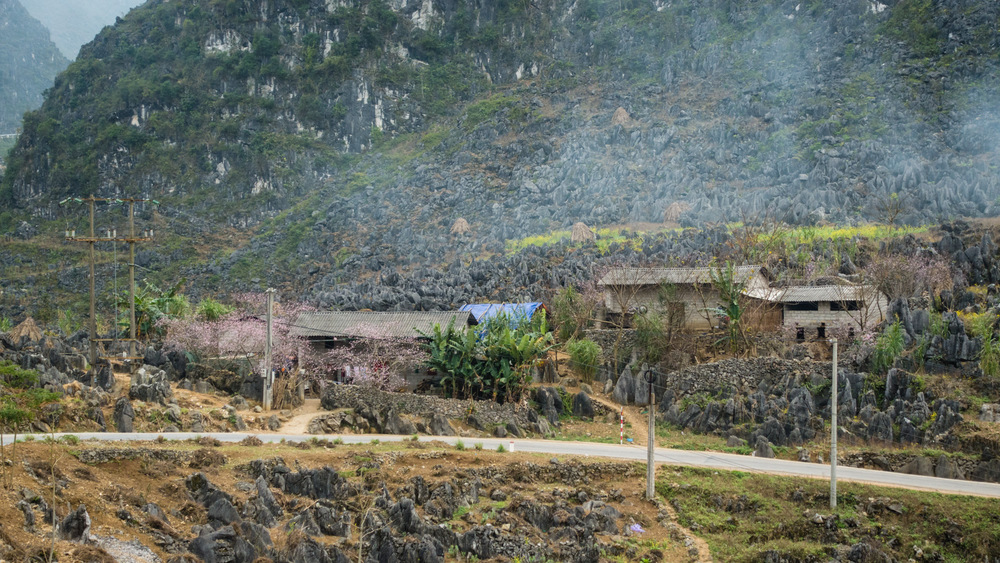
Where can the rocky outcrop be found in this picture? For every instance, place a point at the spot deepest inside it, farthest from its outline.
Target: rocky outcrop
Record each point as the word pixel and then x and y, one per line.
pixel 124 415
pixel 787 402
pixel 364 409
pixel 151 385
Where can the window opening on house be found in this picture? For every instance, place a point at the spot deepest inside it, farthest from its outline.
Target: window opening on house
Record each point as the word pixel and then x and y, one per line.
pixel 821 331
pixel 845 305
pixel 803 306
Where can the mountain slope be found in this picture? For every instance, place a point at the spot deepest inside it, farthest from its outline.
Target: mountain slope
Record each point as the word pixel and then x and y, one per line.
pixel 352 136
pixel 29 63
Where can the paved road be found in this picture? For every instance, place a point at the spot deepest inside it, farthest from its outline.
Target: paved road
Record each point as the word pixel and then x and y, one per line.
pixel 723 461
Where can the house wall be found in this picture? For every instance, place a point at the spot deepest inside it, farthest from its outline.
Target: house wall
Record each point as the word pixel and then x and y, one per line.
pixel 813 319
pixel 412 377
pixel 695 301
pixel 695 298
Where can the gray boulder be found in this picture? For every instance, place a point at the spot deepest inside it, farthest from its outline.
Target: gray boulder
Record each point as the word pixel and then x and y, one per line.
pixel 222 545
pixel 124 415
pixel 624 392
pixel 880 427
pixel 919 465
pixel 583 406
pixel 76 526
pixel 763 448
pixel 946 468
pixel 549 403
pixel 439 426
pixel 273 423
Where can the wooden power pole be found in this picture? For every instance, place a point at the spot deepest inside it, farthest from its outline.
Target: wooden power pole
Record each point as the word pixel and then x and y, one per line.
pixel 91 239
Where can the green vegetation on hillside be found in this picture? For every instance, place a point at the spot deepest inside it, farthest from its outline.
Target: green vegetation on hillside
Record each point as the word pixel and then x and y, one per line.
pixel 743 515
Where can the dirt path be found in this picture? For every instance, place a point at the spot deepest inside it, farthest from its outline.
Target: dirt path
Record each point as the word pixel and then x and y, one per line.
pixel 633 415
pixel 691 541
pixel 301 417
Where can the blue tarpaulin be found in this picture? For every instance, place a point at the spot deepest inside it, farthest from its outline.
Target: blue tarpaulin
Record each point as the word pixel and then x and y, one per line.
pixel 516 312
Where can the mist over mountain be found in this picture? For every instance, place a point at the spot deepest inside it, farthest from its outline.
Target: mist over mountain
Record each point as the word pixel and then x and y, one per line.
pixel 29 62
pixel 347 138
pixel 75 22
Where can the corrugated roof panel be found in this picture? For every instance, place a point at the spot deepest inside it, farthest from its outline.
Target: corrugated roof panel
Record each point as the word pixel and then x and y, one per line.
pixel 368 324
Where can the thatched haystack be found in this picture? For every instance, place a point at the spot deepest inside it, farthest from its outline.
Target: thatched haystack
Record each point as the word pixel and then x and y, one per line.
pixel 621 117
pixel 581 233
pixel 460 227
pixel 27 328
pixel 674 211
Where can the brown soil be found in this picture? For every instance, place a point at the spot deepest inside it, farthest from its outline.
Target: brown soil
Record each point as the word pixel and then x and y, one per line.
pixel 115 492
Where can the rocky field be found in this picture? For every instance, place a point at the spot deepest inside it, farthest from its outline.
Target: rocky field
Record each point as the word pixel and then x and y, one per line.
pixel 425 501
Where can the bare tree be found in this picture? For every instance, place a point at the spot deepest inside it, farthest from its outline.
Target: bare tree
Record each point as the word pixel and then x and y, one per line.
pixel 757 239
pixel 863 303
pixel 889 207
pixel 623 285
pixel 897 275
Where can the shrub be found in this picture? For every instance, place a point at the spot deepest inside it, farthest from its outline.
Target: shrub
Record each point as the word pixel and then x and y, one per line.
pixel 888 347
pixel 478 446
pixel 584 355
pixel 501 449
pixel 989 356
pixel 460 445
pixel 251 441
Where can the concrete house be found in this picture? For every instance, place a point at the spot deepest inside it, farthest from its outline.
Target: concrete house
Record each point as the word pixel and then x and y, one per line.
pixel 628 291
pixel 326 330
pixel 811 308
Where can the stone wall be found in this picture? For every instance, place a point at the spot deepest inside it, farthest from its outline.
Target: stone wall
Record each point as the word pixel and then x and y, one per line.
pixel 359 398
pixel 606 340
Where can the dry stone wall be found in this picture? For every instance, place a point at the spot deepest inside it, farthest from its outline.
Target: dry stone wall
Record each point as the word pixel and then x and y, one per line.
pixel 369 399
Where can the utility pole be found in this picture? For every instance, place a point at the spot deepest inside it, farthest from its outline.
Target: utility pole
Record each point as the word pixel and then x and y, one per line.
pixel 268 382
pixel 93 299
pixel 131 277
pixel 833 431
pixel 651 439
pixel 91 239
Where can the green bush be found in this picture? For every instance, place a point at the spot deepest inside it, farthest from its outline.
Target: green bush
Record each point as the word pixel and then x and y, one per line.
pixel 989 356
pixel 584 356
pixel 888 347
pixel 11 375
pixel 493 362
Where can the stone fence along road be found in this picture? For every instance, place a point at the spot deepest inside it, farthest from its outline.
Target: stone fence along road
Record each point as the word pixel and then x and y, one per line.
pixel 721 461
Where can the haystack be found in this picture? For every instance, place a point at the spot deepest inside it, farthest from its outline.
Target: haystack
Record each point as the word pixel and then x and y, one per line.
pixel 27 328
pixel 460 227
pixel 581 233
pixel 621 117
pixel 674 211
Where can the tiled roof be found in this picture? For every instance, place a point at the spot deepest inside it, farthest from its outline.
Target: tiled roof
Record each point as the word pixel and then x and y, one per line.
pixel 367 324
pixel 656 276
pixel 815 294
